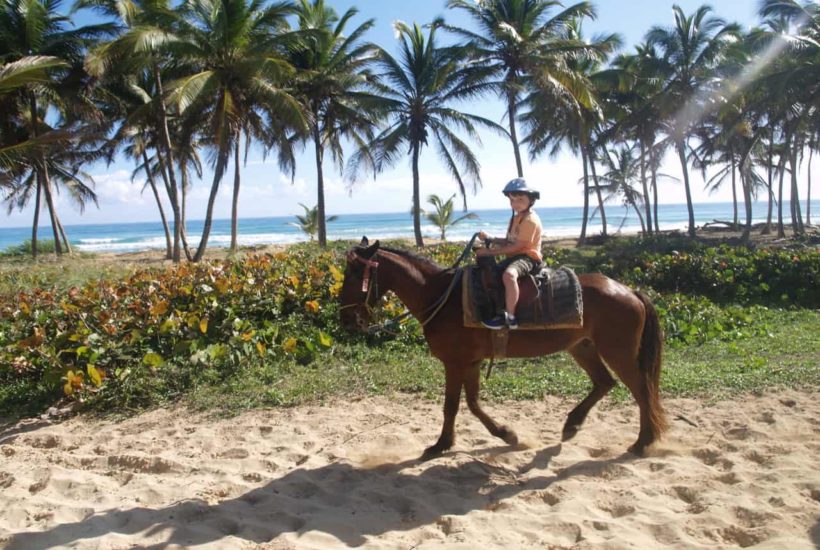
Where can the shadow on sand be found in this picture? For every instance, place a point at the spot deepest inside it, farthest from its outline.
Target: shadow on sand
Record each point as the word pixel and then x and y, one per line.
pixel 341 500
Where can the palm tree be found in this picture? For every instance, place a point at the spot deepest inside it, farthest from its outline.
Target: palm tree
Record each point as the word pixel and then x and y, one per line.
pixel 516 39
pixel 690 51
pixel 14 76
pixel 574 115
pixel 634 113
pixel 309 222
pixel 150 34
pixel 37 28
pixel 332 84
pixel 419 91
pixel 794 79
pixel 442 217
pixel 622 177
pixel 237 73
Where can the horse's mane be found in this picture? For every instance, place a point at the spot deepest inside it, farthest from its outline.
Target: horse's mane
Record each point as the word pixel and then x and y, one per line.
pixel 415 258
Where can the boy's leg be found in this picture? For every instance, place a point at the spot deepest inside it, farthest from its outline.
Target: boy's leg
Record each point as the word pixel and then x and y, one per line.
pixel 511 291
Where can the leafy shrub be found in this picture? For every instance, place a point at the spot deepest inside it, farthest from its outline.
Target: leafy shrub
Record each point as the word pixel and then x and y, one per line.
pixel 725 274
pixel 152 331
pixel 688 320
pixel 24 249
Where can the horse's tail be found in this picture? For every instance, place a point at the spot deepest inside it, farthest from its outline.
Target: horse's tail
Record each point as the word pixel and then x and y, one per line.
pixel 649 363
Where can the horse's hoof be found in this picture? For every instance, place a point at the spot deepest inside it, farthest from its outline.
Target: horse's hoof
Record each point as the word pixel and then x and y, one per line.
pixel 637 449
pixel 510 438
pixel 431 452
pixel 569 432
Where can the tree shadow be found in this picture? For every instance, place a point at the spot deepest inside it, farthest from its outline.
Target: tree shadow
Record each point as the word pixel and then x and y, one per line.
pixel 347 502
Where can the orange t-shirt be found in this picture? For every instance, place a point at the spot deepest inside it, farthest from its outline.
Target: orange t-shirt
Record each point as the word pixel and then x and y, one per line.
pixel 525 230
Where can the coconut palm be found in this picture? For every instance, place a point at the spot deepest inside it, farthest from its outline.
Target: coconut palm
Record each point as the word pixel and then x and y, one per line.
pixel 16 75
pixel 690 51
pixel 573 116
pixel 442 217
pixel 332 84
pixel 309 222
pixel 150 34
pixel 419 91
pixel 794 79
pixel 234 53
pixel 516 39
pixel 38 28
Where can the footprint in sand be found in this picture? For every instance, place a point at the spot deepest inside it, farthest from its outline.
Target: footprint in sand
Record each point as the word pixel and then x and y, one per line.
pixel 757 458
pixel 689 495
pixel 617 509
pixel 144 464
pixel 713 457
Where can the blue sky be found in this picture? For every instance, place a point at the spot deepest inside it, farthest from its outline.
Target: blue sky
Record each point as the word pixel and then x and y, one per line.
pixel 267 192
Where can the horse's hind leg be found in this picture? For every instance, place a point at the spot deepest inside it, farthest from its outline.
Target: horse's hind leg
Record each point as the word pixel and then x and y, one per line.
pixel 586 355
pixel 454 379
pixel 625 365
pixel 472 382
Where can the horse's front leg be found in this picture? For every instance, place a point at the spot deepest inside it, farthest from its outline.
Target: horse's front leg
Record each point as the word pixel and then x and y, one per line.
pixel 454 379
pixel 472 383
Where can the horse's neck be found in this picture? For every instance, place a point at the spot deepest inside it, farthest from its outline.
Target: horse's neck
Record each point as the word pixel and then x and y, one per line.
pixel 415 283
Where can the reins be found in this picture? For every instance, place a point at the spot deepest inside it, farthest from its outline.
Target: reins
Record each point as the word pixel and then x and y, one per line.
pixel 433 309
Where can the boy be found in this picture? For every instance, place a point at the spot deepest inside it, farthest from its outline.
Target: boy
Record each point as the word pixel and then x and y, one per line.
pixel 522 247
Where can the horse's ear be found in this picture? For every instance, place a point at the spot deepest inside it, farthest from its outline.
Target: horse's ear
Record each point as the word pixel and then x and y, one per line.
pixel 371 250
pixel 364 243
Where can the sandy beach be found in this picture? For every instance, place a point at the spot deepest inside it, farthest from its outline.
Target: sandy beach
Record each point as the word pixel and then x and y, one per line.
pixel 738 473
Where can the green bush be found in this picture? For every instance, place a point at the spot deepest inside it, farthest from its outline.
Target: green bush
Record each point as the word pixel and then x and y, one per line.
pixel 128 341
pixel 24 248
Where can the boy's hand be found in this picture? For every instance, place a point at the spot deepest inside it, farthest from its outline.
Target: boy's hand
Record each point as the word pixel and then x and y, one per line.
pixel 481 252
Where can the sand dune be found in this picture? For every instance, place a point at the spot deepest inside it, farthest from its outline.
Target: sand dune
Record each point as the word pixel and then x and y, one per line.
pixel 739 473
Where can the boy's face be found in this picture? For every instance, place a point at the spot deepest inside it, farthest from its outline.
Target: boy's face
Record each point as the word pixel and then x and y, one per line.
pixel 519 201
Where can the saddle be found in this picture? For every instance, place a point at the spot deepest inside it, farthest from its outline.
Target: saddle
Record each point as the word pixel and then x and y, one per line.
pixel 548 299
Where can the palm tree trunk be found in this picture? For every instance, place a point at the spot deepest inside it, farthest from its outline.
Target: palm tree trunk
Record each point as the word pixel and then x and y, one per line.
pixel 416 197
pixel 640 216
pixel 235 204
pixel 681 147
pixel 37 202
pixel 647 207
pixel 746 185
pixel 183 230
pixel 511 113
pixel 654 171
pixel 734 190
pixel 781 231
pixel 58 248
pixel 769 170
pixel 582 239
pixel 797 217
pixel 166 142
pixel 320 182
pixel 591 159
pixel 209 215
pixel 153 184
pixel 808 187
pixel 42 174
pixel 66 242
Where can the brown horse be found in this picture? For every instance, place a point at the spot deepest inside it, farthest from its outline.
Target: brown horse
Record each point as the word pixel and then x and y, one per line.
pixel 620 331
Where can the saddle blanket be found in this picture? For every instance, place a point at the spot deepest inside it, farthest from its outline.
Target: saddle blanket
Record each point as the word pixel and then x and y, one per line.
pixel 552 299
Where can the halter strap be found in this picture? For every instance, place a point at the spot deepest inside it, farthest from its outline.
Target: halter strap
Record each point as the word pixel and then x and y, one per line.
pixel 368 264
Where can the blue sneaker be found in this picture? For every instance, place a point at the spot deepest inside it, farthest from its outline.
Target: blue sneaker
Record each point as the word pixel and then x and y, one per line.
pixel 512 322
pixel 496 323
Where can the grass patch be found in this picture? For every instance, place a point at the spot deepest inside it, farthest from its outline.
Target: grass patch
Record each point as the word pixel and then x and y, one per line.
pixel 786 356
pixel 264 331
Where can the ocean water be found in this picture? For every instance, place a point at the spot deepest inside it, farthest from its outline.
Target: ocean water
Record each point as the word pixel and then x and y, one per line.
pixel 557 222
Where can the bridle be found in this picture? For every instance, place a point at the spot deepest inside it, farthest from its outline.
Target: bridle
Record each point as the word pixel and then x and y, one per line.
pixel 371 266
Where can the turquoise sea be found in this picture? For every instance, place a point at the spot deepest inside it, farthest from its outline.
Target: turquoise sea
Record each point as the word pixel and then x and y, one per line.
pixel 557 221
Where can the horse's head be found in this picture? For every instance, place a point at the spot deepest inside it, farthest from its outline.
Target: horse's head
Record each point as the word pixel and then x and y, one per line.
pixel 360 290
